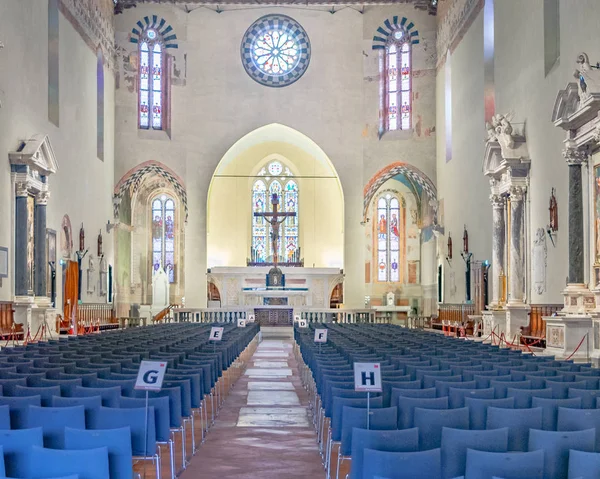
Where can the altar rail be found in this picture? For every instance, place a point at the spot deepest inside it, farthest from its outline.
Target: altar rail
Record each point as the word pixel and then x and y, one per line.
pixel 100 315
pixel 231 315
pixel 7 321
pixel 455 313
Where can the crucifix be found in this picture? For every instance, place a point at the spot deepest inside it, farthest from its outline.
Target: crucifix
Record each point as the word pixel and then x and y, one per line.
pixel 275 218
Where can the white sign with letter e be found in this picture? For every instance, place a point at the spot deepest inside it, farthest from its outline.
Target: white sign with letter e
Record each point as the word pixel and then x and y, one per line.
pixel 302 323
pixel 216 334
pixel 367 377
pixel 241 323
pixel 320 335
pixel 250 318
pixel 151 375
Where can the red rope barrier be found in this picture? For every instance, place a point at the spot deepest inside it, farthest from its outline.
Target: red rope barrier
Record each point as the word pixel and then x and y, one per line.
pixel 577 348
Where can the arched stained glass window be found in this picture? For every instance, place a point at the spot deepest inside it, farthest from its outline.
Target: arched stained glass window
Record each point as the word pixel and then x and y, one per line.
pixel 152 82
pixel 396 91
pixel 275 179
pixel 163 235
pixel 388 238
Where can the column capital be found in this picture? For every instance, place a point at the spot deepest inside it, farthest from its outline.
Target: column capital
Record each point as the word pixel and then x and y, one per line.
pixel 517 193
pixel 21 189
pixel 42 197
pixel 575 156
pixel 498 201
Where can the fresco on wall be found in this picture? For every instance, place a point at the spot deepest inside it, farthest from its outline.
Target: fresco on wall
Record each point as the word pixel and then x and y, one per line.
pixel 66 237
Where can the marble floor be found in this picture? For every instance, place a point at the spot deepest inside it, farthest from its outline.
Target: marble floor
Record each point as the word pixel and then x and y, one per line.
pixel 263 429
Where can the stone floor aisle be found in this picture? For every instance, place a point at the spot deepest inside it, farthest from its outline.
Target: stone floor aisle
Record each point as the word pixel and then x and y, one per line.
pixel 263 430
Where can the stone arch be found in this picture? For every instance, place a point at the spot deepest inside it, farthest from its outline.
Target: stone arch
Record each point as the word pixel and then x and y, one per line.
pixel 389 26
pixel 134 178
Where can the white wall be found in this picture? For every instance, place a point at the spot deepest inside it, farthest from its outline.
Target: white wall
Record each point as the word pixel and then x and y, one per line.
pixel 524 92
pixel 83 184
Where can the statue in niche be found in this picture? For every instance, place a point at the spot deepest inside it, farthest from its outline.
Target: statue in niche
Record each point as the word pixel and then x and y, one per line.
pixel 66 237
pixel 391 299
pixel 553 213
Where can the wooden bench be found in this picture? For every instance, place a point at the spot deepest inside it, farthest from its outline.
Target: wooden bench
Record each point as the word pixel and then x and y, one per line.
pixel 8 328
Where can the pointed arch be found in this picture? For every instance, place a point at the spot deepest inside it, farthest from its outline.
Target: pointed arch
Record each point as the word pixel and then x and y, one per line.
pixel 134 178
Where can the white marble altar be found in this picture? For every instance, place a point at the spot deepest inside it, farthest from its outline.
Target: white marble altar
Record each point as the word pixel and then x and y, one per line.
pixel 246 286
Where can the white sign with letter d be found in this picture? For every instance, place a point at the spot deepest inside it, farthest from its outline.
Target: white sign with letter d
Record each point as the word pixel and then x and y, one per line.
pixel 320 335
pixel 216 334
pixel 150 375
pixel 367 377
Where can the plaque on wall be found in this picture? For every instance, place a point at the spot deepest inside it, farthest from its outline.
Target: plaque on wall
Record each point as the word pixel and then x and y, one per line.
pixel 3 262
pixel 275 301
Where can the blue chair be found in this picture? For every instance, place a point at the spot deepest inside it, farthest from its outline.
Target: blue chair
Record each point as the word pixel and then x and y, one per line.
pixel 584 465
pixel 523 396
pixel 514 465
pixel 45 393
pixel 92 402
pixel 8 385
pixel 560 389
pixel 456 396
pixel 550 409
pixel 443 387
pixel 4 417
pixel 430 423
pixel 87 464
pixel 478 409
pixel 110 396
pixel 428 393
pixel 352 417
pixel 502 385
pixel 402 465
pixel 455 443
pixel 18 406
pixel 117 442
pixel 66 385
pixel 16 444
pixel 53 421
pixel 407 405
pixel 406 440
pixel 518 421
pixel 556 446
pixel 588 397
pixel 579 420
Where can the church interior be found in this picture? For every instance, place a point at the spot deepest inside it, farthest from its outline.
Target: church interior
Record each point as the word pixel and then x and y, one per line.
pixel 406 185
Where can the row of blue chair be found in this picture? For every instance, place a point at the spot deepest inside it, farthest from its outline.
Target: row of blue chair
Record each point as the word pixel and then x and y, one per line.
pixel 427 373
pixel 87 383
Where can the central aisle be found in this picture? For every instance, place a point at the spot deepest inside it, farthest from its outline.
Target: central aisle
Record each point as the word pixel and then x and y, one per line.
pixel 263 430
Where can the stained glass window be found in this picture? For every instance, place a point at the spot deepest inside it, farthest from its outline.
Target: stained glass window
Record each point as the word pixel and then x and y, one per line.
pixel 274 180
pixel 388 238
pixel 275 50
pixel 396 75
pixel 151 82
pixel 163 236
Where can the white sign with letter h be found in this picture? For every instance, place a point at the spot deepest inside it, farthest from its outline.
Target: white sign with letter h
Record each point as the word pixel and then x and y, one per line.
pixel 367 377
pixel 150 375
pixel 320 335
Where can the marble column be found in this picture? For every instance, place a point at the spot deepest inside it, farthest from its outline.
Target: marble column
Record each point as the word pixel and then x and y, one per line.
pixel 22 286
pixel 516 287
pixel 498 244
pixel 575 157
pixel 41 202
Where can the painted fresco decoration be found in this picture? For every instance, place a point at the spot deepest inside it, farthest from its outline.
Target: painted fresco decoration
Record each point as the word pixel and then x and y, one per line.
pixel 66 238
pixel 275 51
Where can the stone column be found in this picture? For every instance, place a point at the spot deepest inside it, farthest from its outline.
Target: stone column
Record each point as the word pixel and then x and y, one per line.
pixel 516 287
pixel 22 286
pixel 41 202
pixel 575 157
pixel 498 243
